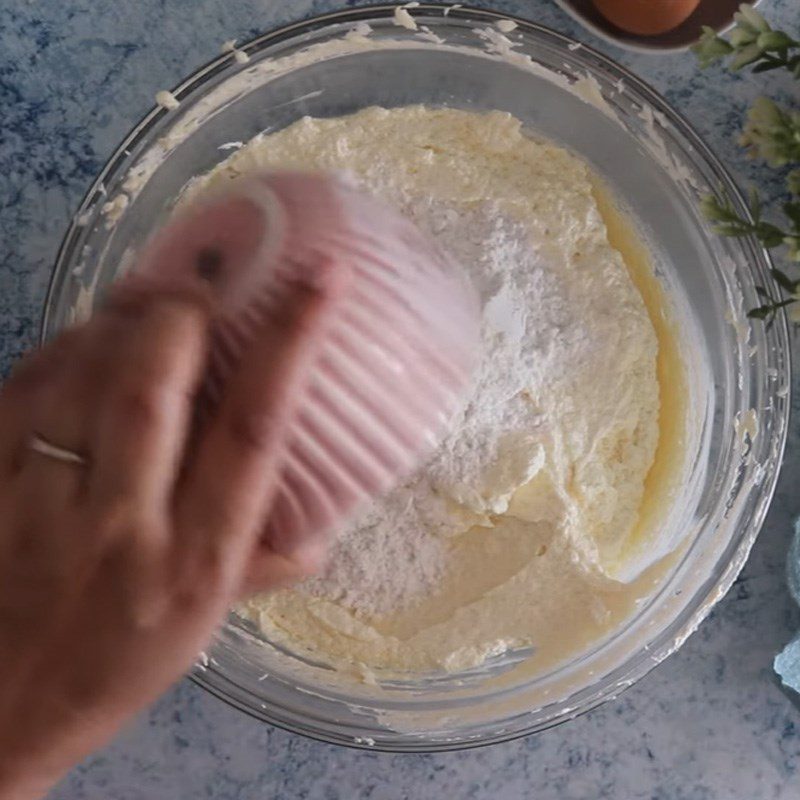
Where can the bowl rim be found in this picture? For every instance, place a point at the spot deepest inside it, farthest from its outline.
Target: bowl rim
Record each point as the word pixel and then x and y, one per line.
pixel 712 591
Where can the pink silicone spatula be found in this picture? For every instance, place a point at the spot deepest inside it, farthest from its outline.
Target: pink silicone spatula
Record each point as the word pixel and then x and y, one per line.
pixel 396 359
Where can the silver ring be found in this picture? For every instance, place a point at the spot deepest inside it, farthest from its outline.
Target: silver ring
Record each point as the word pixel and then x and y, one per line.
pixel 45 448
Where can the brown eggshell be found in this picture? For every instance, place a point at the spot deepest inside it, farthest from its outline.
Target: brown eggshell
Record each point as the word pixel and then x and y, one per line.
pixel 646 17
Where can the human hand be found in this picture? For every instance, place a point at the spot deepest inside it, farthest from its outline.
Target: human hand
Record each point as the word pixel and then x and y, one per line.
pixel 115 572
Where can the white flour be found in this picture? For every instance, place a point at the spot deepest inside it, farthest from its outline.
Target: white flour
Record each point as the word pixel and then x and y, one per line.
pixel 396 550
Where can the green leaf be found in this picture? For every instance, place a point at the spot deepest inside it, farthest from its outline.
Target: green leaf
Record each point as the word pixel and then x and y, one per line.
pixel 792 210
pixel 783 280
pixel 775 40
pixel 785 303
pixel 715 209
pixel 761 312
pixel 755 203
pixel 768 64
pixel 772 133
pixel 793 243
pixel 710 48
pixel 766 113
pixel 747 55
pixel 742 36
pixel 732 229
pixel 747 16
pixel 770 235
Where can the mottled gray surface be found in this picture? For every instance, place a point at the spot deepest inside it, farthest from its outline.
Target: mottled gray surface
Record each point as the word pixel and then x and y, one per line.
pixel 709 723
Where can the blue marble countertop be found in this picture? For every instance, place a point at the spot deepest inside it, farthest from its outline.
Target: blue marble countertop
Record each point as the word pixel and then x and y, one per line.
pixel 711 722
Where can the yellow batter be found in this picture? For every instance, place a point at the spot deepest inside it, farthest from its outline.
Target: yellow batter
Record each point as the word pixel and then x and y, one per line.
pixel 545 503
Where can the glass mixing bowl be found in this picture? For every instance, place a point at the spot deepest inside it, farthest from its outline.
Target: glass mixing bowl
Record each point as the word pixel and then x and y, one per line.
pixel 652 160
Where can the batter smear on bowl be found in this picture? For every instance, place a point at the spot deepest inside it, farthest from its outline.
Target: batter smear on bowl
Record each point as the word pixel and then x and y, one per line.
pixel 527 527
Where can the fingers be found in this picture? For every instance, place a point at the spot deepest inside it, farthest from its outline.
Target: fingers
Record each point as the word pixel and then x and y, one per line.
pixel 38 489
pixel 232 480
pixel 156 358
pixel 152 368
pixel 118 391
pixel 57 415
pixel 32 375
pixel 269 570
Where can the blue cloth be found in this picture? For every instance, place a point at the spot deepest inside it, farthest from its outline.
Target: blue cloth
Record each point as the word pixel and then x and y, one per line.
pixel 787 663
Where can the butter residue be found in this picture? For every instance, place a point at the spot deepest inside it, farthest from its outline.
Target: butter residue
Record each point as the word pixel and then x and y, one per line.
pixel 506 25
pixel 404 19
pixel 167 100
pixel 114 209
pixel 745 425
pixel 240 56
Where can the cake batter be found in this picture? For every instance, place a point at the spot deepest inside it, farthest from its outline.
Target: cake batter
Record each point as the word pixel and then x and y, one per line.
pixel 525 527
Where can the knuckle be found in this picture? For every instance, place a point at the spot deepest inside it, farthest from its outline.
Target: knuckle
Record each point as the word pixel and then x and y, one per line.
pixel 124 305
pixel 141 406
pixel 207 559
pixel 117 521
pixel 203 582
pixel 210 562
pixel 157 305
pixel 186 601
pixel 205 566
pixel 174 313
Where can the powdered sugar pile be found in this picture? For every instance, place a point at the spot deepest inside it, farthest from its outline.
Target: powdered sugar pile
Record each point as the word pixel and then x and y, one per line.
pixel 396 550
